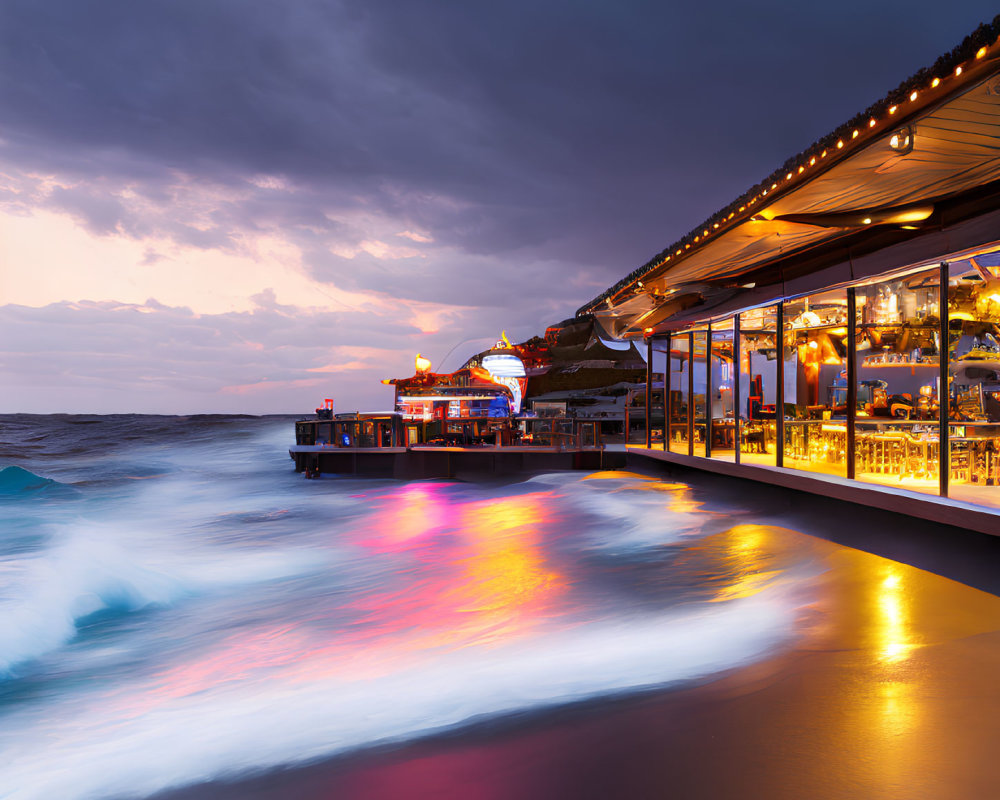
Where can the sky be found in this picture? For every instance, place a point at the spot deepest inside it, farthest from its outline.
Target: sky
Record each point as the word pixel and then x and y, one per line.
pixel 243 206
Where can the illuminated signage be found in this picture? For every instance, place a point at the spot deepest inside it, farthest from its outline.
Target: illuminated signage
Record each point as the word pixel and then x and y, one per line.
pixel 507 370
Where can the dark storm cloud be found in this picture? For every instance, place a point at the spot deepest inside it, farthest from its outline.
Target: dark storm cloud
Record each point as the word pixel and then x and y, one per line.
pixel 566 137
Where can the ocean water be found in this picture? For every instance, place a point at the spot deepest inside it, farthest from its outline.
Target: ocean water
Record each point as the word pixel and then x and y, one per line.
pixel 177 605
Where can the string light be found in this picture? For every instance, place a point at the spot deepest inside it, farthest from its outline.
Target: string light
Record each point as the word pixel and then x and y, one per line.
pixel 894 142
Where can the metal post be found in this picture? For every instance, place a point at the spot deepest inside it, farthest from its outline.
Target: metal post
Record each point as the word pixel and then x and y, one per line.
pixel 779 403
pixel 666 398
pixel 690 403
pixel 736 387
pixel 708 392
pixel 944 395
pixel 649 386
pixel 852 377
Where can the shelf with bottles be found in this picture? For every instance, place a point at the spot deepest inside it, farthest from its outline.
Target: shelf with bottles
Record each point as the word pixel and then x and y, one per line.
pixel 866 364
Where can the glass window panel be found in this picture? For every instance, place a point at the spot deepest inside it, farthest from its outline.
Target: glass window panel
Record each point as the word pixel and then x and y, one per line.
pixel 758 386
pixel 974 380
pixel 896 428
pixel 657 423
pixel 678 387
pixel 699 400
pixel 815 375
pixel 723 430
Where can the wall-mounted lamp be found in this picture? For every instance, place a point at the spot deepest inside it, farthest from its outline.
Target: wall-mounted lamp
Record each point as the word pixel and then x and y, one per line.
pixel 901 141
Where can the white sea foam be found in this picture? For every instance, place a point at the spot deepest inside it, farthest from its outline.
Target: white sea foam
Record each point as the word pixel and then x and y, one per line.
pixel 231 679
pixel 219 731
pixel 45 595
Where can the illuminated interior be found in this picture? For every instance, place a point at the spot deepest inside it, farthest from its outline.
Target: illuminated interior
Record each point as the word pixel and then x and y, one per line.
pixel 974 377
pixel 680 351
pixel 758 385
pixel 720 392
pixel 861 283
pixel 814 360
pixel 888 432
pixel 898 369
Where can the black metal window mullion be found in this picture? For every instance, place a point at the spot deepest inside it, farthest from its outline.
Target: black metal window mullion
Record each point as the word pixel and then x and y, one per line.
pixel 708 392
pixel 852 378
pixel 779 401
pixel 666 397
pixel 736 388
pixel 944 395
pixel 690 402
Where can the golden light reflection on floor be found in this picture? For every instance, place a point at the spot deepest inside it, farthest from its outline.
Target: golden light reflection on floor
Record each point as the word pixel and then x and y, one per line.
pixel 748 548
pixel 894 629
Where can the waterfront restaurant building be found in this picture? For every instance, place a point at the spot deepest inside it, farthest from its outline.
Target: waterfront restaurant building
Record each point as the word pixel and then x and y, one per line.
pixel 837 328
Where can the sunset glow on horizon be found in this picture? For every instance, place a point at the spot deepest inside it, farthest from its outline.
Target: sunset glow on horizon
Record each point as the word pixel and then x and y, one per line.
pixel 247 208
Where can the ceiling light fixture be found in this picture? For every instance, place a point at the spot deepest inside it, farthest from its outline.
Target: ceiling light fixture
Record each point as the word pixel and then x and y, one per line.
pixel 901 141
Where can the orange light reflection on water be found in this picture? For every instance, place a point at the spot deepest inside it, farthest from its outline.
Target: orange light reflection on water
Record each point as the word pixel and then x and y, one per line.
pixel 748 548
pixel 485 581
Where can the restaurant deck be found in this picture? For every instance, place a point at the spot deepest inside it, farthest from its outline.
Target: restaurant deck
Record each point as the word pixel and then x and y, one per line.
pixel 450 462
pixel 944 510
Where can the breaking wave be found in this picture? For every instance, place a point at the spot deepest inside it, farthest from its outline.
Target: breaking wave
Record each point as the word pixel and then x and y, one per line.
pixel 235 729
pixel 197 610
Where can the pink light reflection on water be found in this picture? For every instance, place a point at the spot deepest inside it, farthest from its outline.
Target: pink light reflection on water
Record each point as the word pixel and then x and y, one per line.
pixel 477 572
pixel 464 574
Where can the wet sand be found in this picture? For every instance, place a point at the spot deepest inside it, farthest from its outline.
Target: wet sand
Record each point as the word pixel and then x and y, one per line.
pixel 888 690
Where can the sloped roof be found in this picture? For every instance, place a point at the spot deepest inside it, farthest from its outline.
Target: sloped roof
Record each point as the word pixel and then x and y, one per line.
pixel 858 187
